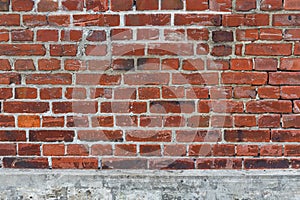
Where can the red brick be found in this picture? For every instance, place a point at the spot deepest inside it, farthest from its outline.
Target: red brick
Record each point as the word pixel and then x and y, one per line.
pixel 98 79
pixel 236 20
pixel 22 50
pixel 197 34
pixel 268 49
pixel 7 121
pixel 148 136
pixel 77 150
pixel 47 35
pixel 197 19
pixel 267 5
pixel 175 150
pixel 49 64
pixel 97 5
pixel 267 163
pixel 29 121
pixel 123 107
pixel 291 34
pixel 147 34
pixel 59 20
pixel 241 64
pixel 245 5
pixel 51 136
pixel 73 5
pixel 265 64
pixel 151 121
pixel 284 78
pixel 125 150
pixel 244 92
pixel 25 107
pixel 150 150
pixel 24 162
pixel 4 35
pixel 222 50
pixel 10 20
pixel 172 92
pixel 4 5
pixel 220 5
pixel 77 121
pixel 74 65
pixel 121 34
pixel 220 92
pixel 194 5
pixel 124 5
pixel 200 150
pixel 25 93
pixel 101 150
pixel 53 149
pixel 286 20
pixel 7 149
pixel 172 4
pixel 49 121
pixel 247 136
pixel 100 135
pixel 28 149
pixel 96 20
pixel 221 121
pixel 285 135
pixel 270 34
pixel 84 107
pixel 22 35
pixel 34 20
pixel 96 50
pixel 147 4
pixel 5 93
pixel 198 136
pixel 9 135
pixel 219 163
pixel 47 6
pixel 52 79
pixel 291 64
pixel 103 121
pixel 247 34
pixel 264 106
pixel 124 163
pixel 24 65
pixel 224 150
pixel 247 150
pixel 63 50
pixel 222 36
pixel 290 92
pixel 198 121
pixel 171 164
pixel 244 121
pixel 22 5
pixel 74 163
pixel 271 150
pixel 249 78
pixel 291 5
pixel 269 121
pixel 147 19
pixel 217 64
pixel 291 121
pixel 291 150
pixel 269 92
pixel 51 93
pixel 71 35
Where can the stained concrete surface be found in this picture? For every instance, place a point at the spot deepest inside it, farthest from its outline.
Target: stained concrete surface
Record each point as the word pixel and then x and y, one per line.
pixel 152 185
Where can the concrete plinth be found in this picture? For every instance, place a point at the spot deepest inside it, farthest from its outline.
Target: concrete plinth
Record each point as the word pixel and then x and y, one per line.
pixel 218 184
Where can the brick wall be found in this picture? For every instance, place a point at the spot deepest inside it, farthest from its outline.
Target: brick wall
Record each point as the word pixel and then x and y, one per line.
pixel 150 84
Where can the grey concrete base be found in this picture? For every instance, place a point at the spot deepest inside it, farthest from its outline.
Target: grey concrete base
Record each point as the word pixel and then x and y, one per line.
pixel 35 184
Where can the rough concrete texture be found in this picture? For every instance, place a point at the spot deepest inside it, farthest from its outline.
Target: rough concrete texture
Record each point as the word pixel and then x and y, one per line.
pixel 166 185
